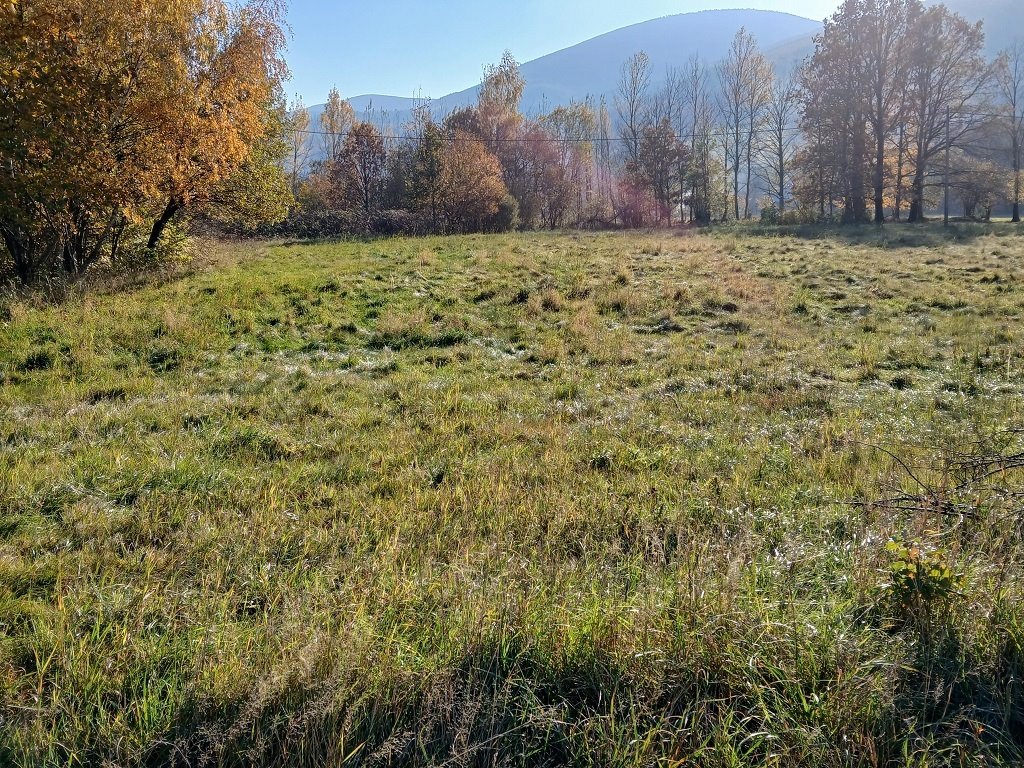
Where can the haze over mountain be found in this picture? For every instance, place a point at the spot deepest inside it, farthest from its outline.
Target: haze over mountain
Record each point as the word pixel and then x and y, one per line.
pixel 591 68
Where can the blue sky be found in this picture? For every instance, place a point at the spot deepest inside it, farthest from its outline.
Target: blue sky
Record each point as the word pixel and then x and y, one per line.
pixel 404 47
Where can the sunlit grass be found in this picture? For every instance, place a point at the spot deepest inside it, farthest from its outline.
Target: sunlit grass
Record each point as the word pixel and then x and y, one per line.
pixel 513 500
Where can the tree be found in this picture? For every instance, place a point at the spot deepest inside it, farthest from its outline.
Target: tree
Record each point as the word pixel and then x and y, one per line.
pixel 498 121
pixel 601 209
pixel 947 74
pixel 221 101
pixel 570 130
pixel 835 115
pixel 42 79
pixel 1010 80
pixel 631 102
pixel 470 186
pixel 297 131
pixel 425 173
pixel 883 29
pixel 259 192
pixel 115 111
pixel 816 183
pixel 360 169
pixel 745 77
pixel 701 175
pixel 75 125
pixel 657 168
pixel 501 91
pixel 335 122
pixel 779 144
pixel 979 184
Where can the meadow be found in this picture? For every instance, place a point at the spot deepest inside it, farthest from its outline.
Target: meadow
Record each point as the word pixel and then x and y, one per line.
pixel 732 498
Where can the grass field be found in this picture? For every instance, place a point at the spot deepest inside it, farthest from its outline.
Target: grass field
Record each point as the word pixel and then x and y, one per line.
pixel 718 499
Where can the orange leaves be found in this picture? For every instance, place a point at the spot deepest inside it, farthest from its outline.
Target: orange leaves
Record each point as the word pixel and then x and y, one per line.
pixel 123 104
pixel 471 184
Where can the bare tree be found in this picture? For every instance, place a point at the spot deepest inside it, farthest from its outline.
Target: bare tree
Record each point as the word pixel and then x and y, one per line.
pixel 701 114
pixel 631 102
pixel 362 164
pixel 1010 79
pixel 668 102
pixel 779 140
pixel 604 159
pixel 298 142
pixel 745 76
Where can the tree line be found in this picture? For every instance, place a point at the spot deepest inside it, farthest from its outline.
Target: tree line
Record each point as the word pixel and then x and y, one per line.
pixel 118 118
pixel 897 105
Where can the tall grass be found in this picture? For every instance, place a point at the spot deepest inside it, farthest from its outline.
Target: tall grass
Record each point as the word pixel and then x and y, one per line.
pixel 535 500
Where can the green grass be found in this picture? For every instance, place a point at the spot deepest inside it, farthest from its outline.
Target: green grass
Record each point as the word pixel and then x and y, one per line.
pixel 533 500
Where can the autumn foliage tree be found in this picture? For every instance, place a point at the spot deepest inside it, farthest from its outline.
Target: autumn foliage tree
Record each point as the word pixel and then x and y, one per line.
pixel 888 74
pixel 360 168
pixel 470 184
pixel 114 112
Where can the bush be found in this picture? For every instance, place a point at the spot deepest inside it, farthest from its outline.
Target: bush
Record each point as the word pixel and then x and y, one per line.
pixel 507 217
pixel 315 224
pixel 770 213
pixel 174 247
pixel 398 222
pixel 799 216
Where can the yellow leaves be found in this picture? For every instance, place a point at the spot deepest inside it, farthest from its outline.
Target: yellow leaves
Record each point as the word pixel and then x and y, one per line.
pixel 154 99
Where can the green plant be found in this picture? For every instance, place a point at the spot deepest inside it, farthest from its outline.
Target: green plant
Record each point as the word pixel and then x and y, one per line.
pixel 920 579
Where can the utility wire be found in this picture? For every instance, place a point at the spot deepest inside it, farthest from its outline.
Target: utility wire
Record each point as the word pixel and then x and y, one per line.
pixel 717 132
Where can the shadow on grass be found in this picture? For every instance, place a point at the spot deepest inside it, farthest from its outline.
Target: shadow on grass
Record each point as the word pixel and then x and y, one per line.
pixel 510 706
pixel 893 234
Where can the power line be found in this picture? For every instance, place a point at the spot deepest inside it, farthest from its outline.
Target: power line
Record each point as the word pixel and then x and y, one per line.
pixel 553 139
pixel 717 132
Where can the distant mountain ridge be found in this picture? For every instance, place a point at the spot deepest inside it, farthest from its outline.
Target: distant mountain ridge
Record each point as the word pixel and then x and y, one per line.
pixel 591 68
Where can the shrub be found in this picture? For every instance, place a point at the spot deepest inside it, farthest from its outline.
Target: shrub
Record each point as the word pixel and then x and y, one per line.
pixel 315 224
pixel 506 218
pixel 174 247
pixel 921 582
pixel 398 222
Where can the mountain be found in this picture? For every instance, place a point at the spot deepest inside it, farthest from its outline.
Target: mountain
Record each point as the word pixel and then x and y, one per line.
pixel 591 68
pixel 1004 20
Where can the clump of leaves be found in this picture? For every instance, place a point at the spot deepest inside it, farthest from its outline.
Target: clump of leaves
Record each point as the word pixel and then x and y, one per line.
pixel 920 580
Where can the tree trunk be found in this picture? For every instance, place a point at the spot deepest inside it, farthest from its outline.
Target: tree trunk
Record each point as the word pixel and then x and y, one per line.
pixel 161 223
pixel 857 210
pixel 1016 193
pixel 1016 177
pixel 916 214
pixel 71 263
pixel 879 173
pixel 736 174
pixel 782 175
pixel 20 254
pixel 749 158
